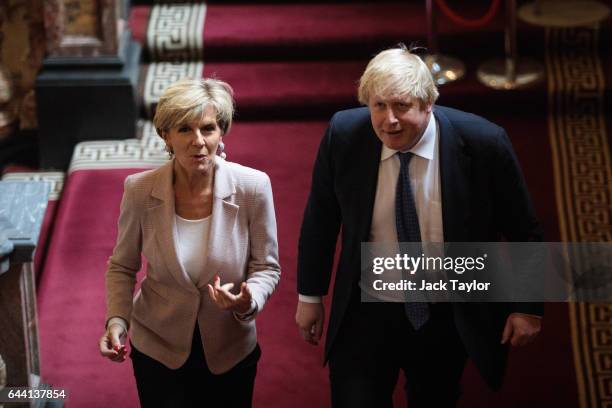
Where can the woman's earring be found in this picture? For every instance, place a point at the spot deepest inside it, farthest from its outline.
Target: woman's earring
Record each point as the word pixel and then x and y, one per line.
pixel 220 150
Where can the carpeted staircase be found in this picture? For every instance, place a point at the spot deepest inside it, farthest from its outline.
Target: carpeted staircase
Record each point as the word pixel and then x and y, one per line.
pixel 291 65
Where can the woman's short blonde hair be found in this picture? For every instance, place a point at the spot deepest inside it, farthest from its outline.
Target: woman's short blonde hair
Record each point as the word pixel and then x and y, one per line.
pixel 397 72
pixel 184 102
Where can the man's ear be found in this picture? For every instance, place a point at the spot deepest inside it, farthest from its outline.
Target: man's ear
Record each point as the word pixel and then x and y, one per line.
pixel 427 107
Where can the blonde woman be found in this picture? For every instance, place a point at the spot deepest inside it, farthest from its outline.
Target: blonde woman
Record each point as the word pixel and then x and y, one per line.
pixel 207 230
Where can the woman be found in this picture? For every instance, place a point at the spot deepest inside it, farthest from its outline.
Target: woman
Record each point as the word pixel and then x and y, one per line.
pixel 207 230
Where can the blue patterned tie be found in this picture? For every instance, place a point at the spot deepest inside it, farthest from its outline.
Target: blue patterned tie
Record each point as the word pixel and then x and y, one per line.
pixel 407 223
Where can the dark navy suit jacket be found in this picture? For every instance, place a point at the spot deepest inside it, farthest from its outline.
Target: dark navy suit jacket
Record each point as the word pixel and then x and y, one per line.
pixel 484 199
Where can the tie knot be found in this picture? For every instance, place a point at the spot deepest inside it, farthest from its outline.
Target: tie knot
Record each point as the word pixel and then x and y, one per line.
pixel 405 158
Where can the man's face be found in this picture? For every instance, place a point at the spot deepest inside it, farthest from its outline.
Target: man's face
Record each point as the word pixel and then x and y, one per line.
pixel 399 122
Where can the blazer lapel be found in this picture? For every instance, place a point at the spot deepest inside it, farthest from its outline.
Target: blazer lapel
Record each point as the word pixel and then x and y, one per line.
pixel 224 214
pixel 454 175
pixel 366 171
pixel 163 216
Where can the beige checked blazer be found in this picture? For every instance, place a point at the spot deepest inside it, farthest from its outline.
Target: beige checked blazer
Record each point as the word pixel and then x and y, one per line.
pixel 242 246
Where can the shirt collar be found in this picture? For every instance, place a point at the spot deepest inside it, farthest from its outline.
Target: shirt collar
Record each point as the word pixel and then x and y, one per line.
pixel 424 148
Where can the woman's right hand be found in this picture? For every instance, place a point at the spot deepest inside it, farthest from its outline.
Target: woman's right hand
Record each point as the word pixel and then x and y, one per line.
pixel 111 343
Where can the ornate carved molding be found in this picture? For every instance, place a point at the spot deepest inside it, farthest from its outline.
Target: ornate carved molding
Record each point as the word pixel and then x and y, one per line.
pixel 86 28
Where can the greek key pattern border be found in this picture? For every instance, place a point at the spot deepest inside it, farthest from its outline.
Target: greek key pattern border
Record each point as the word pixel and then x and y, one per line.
pixel 55 178
pixel 175 32
pixel 583 179
pixel 160 75
pixel 144 152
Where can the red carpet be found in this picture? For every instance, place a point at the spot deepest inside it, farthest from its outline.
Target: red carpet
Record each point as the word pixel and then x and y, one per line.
pixel 290 370
pixel 72 322
pixel 317 89
pixel 314 30
pixel 71 295
pixel 291 67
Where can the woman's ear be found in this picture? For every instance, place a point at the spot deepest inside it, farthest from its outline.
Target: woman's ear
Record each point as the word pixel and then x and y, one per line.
pixel 166 136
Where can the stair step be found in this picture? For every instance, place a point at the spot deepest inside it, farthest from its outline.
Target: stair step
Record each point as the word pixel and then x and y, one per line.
pixel 297 31
pixel 283 90
pixel 273 89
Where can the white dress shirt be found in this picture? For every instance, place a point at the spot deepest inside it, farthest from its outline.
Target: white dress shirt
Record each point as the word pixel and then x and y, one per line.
pixel 425 184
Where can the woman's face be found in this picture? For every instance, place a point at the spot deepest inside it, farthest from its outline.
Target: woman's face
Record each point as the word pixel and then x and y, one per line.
pixel 195 144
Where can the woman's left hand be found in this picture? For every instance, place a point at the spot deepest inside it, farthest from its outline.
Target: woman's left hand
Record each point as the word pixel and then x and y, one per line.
pixel 224 299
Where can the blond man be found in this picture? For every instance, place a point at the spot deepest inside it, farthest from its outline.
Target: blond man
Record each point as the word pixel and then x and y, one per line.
pixel 404 169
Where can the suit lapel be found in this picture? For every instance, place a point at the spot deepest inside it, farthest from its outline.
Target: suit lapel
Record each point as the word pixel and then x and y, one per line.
pixel 223 221
pixel 163 216
pixel 224 214
pixel 454 175
pixel 366 172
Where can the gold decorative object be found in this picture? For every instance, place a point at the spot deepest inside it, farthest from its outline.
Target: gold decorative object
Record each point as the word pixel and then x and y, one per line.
pixel 506 74
pixel 6 91
pixel 444 68
pixel 512 71
pixel 7 115
pixel 27 113
pixel 81 18
pixel 564 13
pixel 7 123
pixel 83 28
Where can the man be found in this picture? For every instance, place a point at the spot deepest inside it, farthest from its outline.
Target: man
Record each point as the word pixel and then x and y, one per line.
pixel 459 173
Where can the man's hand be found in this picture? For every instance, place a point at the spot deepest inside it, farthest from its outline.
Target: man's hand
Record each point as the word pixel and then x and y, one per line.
pixel 521 329
pixel 310 318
